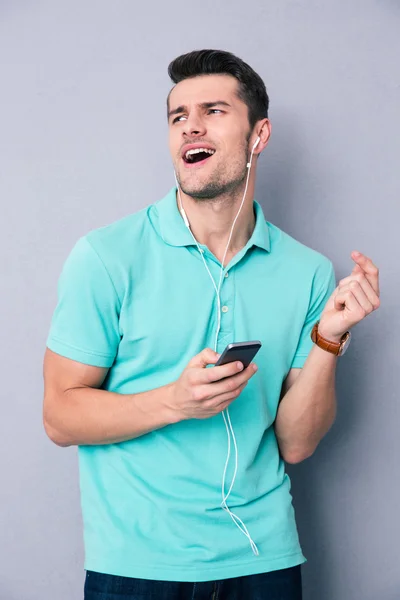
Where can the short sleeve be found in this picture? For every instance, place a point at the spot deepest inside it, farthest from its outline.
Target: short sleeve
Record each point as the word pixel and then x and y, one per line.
pixel 85 323
pixel 323 286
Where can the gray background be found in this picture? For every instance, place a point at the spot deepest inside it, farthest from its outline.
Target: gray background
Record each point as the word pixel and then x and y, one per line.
pixel 83 143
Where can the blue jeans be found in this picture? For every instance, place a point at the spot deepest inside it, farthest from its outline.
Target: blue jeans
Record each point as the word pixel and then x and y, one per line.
pixel 277 585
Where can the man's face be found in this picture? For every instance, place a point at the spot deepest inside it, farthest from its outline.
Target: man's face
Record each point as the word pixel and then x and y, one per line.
pixel 205 112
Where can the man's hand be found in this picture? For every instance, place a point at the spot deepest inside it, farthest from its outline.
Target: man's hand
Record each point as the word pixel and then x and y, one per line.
pixel 355 297
pixel 200 393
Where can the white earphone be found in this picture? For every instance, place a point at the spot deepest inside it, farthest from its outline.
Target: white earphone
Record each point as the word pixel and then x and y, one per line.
pixel 185 219
pixel 238 522
pixel 252 150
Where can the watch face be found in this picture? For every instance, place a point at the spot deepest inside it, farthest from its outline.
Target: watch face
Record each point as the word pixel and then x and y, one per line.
pixel 345 344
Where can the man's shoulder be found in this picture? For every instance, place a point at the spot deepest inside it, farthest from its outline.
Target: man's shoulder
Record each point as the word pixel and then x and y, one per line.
pixel 296 254
pixel 120 238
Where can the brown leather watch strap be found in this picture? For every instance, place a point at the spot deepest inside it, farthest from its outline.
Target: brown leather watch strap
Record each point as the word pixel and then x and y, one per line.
pixel 332 347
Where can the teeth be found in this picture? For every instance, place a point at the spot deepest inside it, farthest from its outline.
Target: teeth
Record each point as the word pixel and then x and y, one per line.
pixel 197 150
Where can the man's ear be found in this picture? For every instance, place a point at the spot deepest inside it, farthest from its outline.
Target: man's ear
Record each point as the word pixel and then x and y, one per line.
pixel 264 129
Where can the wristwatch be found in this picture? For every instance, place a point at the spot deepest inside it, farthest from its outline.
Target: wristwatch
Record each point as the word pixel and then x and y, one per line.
pixel 337 348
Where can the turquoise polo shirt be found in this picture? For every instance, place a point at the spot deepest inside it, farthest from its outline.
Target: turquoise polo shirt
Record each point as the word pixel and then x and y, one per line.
pixel 135 296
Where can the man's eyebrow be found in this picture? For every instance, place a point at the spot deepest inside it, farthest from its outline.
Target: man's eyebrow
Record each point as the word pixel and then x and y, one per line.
pixel 182 108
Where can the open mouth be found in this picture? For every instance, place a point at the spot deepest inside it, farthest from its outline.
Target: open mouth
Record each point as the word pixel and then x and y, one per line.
pixel 197 155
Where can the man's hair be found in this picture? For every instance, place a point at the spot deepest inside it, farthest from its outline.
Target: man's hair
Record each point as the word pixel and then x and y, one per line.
pixel 251 88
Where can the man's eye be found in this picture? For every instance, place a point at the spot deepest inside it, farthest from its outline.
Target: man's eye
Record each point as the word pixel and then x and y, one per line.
pixel 211 110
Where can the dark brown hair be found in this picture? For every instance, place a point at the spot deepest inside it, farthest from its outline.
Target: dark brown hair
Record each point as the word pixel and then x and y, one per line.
pixel 251 88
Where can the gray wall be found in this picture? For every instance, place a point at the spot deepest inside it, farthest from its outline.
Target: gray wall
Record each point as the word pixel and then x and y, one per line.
pixel 83 143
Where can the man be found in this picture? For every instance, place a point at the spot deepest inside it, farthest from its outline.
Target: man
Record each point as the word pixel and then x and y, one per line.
pixel 132 337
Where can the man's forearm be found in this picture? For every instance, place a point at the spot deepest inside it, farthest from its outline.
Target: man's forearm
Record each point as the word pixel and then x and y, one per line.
pixel 89 416
pixel 308 409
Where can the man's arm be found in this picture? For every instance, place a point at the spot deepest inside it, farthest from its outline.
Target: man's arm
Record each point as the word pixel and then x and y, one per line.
pixel 77 412
pixel 308 409
pixel 308 406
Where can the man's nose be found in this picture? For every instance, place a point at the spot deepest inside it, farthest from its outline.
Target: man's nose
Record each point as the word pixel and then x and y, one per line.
pixel 194 125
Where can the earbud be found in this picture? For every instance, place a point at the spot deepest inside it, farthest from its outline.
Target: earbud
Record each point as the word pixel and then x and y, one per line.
pixel 252 150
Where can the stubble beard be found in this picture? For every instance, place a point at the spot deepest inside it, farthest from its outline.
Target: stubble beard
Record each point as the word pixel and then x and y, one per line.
pixel 220 186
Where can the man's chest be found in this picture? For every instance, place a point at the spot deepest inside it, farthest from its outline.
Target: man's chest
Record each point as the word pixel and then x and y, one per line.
pixel 172 312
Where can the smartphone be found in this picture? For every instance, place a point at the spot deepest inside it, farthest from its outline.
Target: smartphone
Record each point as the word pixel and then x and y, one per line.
pixel 239 351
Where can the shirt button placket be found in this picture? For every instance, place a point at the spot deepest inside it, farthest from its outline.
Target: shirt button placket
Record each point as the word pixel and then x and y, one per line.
pixel 227 298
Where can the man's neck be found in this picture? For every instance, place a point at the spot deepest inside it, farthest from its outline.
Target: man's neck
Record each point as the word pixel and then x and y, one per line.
pixel 211 222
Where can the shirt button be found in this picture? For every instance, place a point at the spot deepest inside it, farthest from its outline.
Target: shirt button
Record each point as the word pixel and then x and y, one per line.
pixel 225 309
pixel 201 250
pixel 227 274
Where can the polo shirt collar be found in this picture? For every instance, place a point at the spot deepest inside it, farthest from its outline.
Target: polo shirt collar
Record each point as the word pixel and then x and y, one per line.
pixel 175 233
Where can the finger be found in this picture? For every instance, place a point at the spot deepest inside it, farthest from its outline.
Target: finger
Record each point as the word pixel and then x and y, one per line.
pixel 369 292
pixel 228 385
pixel 361 296
pixel 204 358
pixel 357 270
pixel 366 286
pixel 217 373
pixel 356 273
pixel 355 300
pixel 219 401
pixel 370 269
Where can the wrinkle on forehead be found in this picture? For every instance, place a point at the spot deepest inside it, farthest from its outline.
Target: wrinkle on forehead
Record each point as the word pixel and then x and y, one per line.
pixel 214 91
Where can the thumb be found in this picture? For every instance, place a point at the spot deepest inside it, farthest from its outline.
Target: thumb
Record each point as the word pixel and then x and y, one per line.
pixel 357 269
pixel 206 357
